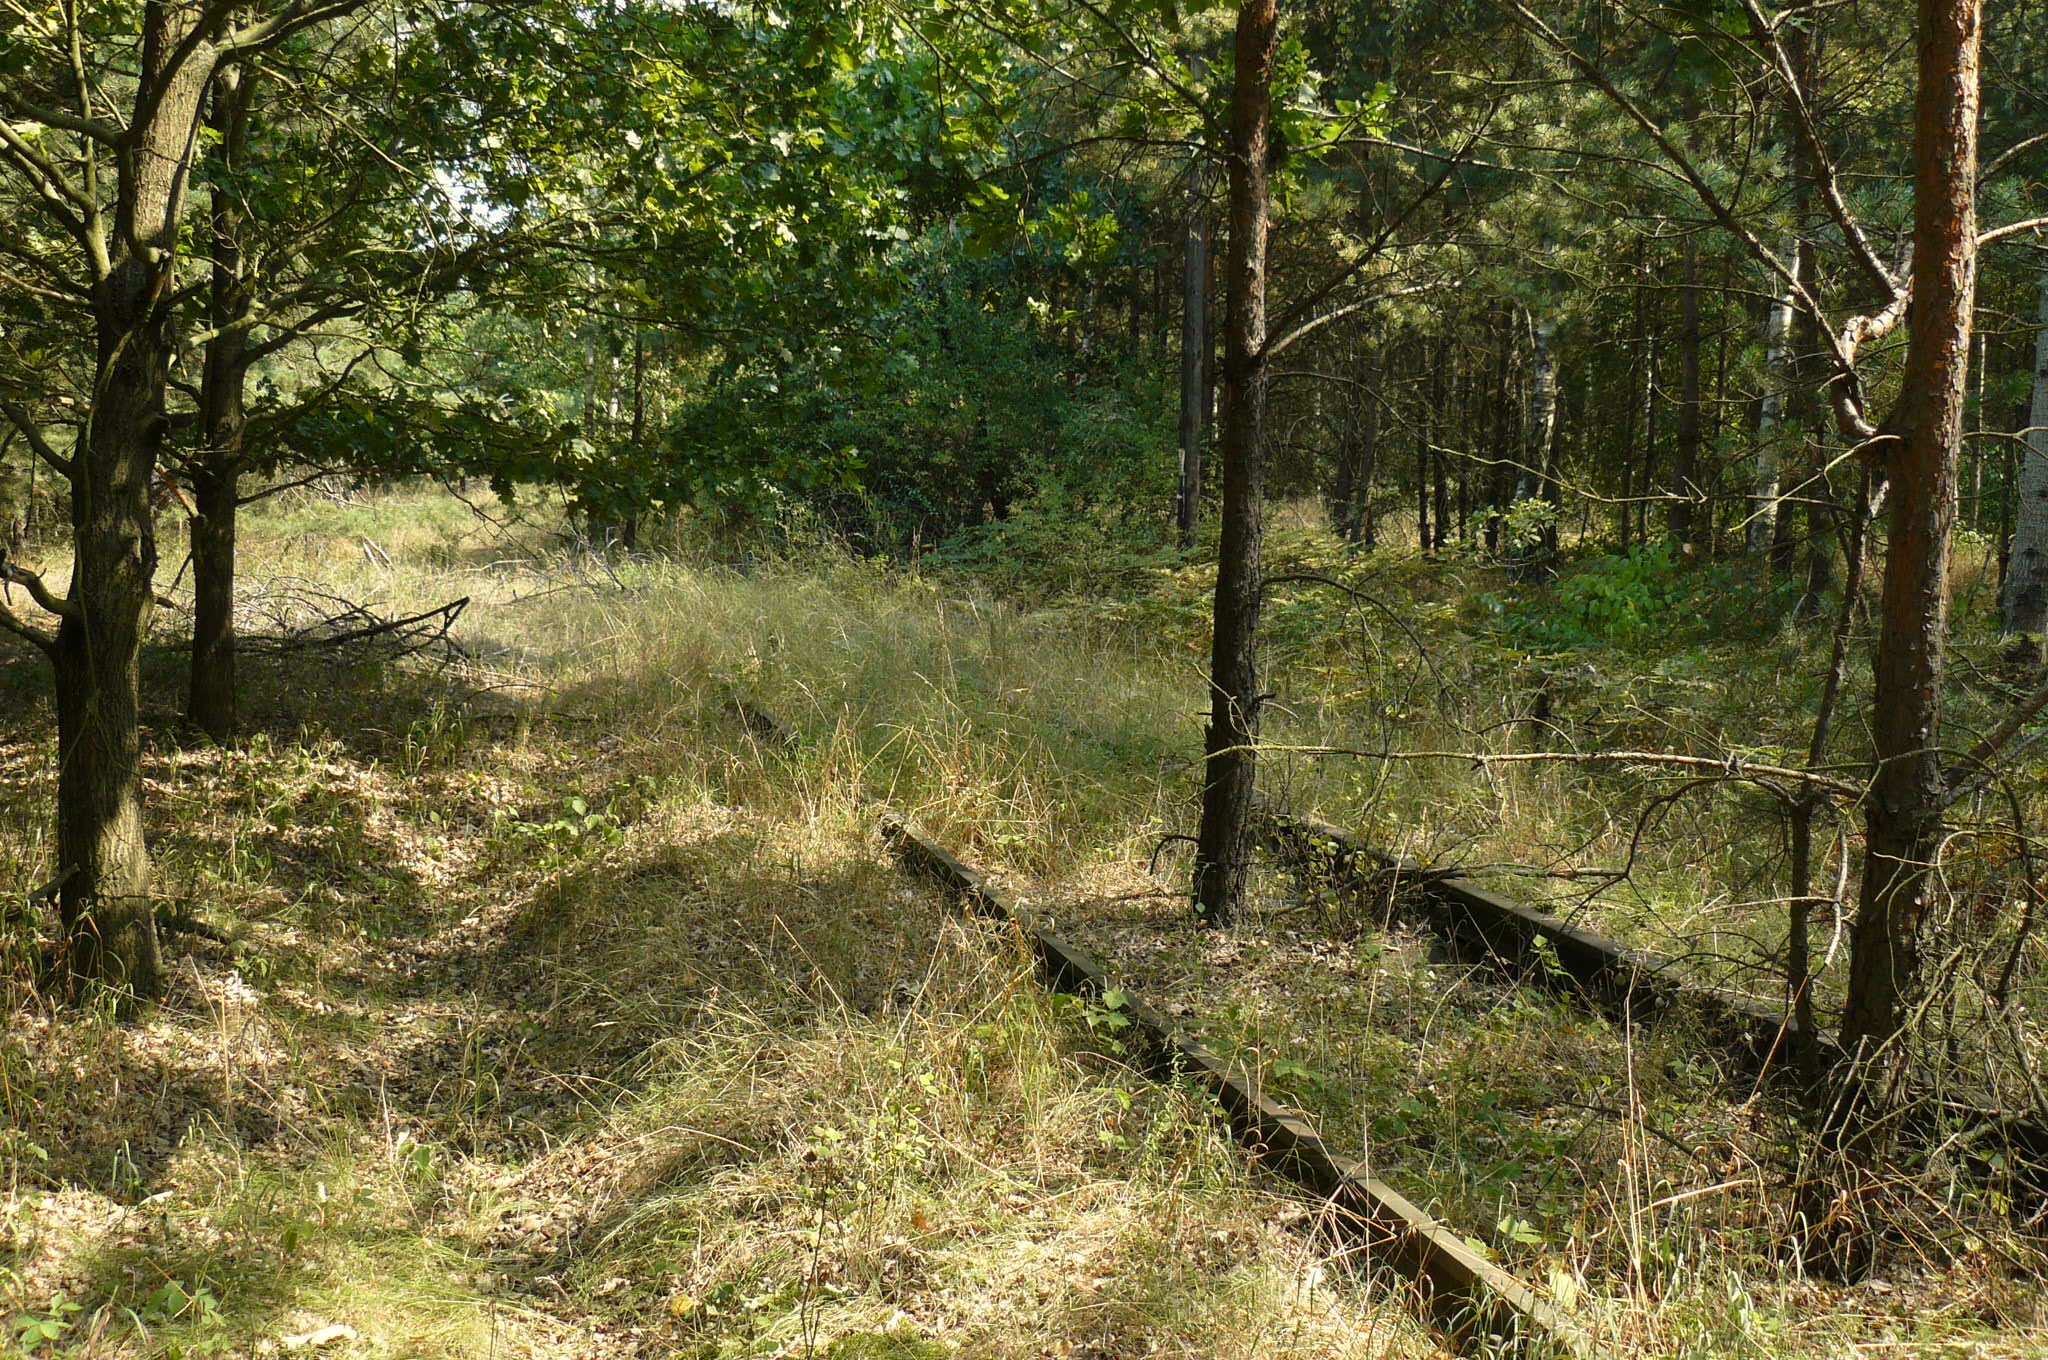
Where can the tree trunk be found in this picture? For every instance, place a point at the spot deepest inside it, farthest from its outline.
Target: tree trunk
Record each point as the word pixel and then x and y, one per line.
pixel 1366 463
pixel 2025 598
pixel 1630 409
pixel 1685 461
pixel 216 471
pixel 1902 816
pixel 1437 426
pixel 1539 419
pixel 1223 843
pixel 1646 479
pixel 104 903
pixel 210 701
pixel 1194 400
pixel 1422 422
pixel 1763 504
pixel 636 434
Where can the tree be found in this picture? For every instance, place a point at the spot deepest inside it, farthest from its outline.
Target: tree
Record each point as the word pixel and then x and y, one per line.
pixel 111 170
pixel 1230 759
pixel 1194 346
pixel 318 257
pixel 2024 604
pixel 1903 815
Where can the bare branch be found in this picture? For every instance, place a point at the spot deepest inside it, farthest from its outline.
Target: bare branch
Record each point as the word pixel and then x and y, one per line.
pixel 1816 151
pixel 1337 313
pixel 19 417
pixel 49 181
pixel 9 622
pixel 93 128
pixel 293 18
pixel 1997 163
pixel 1847 390
pixel 1981 757
pixel 37 591
pixel 2011 229
pixel 1732 766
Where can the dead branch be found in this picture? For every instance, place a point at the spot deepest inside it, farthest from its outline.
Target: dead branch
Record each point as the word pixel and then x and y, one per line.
pixel 337 623
pixel 1731 766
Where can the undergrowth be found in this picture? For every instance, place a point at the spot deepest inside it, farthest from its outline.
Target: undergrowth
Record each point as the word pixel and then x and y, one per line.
pixel 560 1013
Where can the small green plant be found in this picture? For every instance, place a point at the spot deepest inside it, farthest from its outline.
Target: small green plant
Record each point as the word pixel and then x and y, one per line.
pixel 434 740
pixel 1527 522
pixel 193 1309
pixel 34 1331
pixel 1105 1018
pixel 575 827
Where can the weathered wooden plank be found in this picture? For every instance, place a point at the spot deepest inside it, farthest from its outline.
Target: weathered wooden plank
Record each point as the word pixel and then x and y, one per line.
pixel 760 723
pixel 1488 925
pixel 1467 1298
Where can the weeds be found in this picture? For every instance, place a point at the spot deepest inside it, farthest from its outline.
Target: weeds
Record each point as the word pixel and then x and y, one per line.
pixel 564 1016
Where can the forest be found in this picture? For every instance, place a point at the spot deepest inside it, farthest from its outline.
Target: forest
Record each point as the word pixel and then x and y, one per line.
pixel 890 679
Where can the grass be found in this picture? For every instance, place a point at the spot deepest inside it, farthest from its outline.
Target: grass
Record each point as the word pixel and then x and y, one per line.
pixel 557 1018
pixel 562 1015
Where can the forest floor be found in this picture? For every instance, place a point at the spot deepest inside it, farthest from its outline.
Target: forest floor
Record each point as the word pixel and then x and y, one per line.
pixel 545 1010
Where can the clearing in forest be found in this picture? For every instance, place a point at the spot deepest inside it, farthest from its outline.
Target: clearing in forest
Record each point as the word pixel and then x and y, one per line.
pixel 526 1002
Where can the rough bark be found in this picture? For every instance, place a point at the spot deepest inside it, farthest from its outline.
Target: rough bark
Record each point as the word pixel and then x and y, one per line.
pixel 104 903
pixel 1194 399
pixel 1223 843
pixel 1902 816
pixel 216 472
pixel 1685 460
pixel 210 698
pixel 2025 598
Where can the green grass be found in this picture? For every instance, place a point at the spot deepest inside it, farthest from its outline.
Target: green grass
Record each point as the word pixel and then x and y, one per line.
pixel 564 1016
pixel 561 1019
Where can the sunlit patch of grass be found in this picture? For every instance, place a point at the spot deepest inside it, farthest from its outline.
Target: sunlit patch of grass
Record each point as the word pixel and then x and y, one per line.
pixel 554 1014
pixel 561 1014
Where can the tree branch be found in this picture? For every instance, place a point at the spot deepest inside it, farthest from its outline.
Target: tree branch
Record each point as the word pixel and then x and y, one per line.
pixel 1732 766
pixel 95 129
pixel 47 178
pixel 293 18
pixel 1997 163
pixel 1843 359
pixel 1816 151
pixel 1337 313
pixel 1146 59
pixel 2011 229
pixel 18 416
pixel 37 591
pixel 42 641
pixel 1847 389
pixel 1979 761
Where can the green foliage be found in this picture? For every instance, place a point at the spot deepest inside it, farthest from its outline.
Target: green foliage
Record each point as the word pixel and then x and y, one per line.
pixel 1642 596
pixel 965 422
pixel 34 1332
pixel 573 829
pixel 1527 523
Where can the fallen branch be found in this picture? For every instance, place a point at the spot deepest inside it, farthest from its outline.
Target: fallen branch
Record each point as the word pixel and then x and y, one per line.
pixel 1732 766
pixel 355 625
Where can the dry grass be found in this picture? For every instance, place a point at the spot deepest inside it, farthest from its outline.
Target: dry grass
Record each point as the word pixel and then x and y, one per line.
pixel 561 1019
pixel 564 1016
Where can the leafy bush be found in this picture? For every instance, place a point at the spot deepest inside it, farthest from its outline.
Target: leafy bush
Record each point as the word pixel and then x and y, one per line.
pixel 958 413
pixel 1642 596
